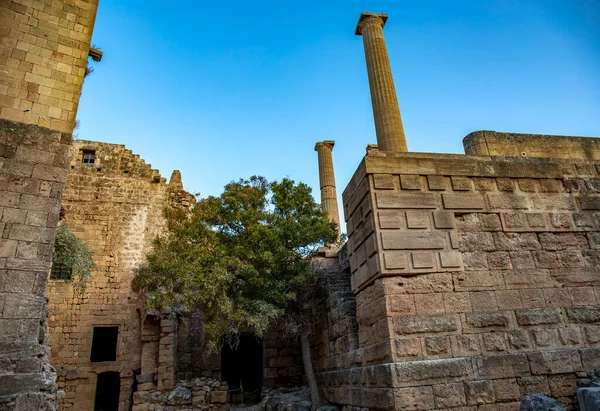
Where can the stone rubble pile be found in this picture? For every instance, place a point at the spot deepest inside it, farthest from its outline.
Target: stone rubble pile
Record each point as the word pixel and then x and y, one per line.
pixel 197 394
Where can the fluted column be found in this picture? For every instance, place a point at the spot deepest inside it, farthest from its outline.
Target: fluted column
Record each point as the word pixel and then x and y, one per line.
pixel 388 122
pixel 329 202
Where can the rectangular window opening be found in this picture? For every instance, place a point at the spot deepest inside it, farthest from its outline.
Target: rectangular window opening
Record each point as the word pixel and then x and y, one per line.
pixel 89 156
pixel 104 344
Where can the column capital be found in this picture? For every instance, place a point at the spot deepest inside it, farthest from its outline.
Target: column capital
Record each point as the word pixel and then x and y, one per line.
pixel 367 17
pixel 327 143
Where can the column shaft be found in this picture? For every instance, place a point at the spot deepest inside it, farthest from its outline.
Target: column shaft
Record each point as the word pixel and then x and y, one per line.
pixel 329 202
pixel 388 122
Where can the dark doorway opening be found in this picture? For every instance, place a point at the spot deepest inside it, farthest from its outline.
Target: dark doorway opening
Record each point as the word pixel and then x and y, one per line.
pixel 108 389
pixel 242 368
pixel 104 344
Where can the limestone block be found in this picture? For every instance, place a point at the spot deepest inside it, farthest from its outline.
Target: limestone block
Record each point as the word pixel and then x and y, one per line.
pixel 564 385
pixel 463 201
pixel 436 183
pixel 424 324
pixel 506 389
pixel 405 200
pixel 410 182
pixel 501 366
pixel 413 241
pixel 414 398
pixel 417 219
pixel 579 315
pixel 554 362
pixel 518 339
pixel 488 319
pixel 507 201
pixel 449 395
pixel 505 184
pixel 430 371
pixel 437 345
pixel 390 219
pixel 537 316
pixel 479 392
pixel 384 181
pixel 466 344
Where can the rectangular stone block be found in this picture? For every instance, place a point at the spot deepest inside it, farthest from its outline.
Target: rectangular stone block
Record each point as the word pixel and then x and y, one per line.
pixel 395 259
pixel 425 324
pixel 451 259
pixel 479 392
pixel 554 362
pixel 537 316
pixel 436 183
pixel 463 201
pixel 417 219
pixel 554 202
pixel 488 319
pixel 414 398
pixel 501 366
pixel 405 200
pixel 443 219
pixel 423 260
pixel 590 202
pixel 430 371
pixel 413 241
pixel 390 219
pixel 384 181
pixel 461 183
pixel 507 201
pixel 583 315
pixel 410 182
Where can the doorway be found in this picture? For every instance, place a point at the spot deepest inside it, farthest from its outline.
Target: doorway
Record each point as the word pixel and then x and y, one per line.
pixel 242 367
pixel 108 389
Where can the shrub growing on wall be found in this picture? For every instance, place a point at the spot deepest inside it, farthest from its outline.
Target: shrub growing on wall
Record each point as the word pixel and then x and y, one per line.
pixel 72 259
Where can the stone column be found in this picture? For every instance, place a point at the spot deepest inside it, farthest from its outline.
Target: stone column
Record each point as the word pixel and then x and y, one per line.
pixel 327 181
pixel 388 123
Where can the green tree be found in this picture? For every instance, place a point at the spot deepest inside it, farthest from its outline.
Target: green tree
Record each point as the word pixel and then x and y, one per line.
pixel 242 258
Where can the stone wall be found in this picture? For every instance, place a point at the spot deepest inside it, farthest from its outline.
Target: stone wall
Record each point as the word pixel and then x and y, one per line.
pixel 475 279
pixel 116 205
pixel 43 55
pixel 43 52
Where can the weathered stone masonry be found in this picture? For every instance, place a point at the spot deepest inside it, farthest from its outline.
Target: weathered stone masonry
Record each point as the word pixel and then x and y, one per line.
pixel 476 277
pixel 116 205
pixel 43 52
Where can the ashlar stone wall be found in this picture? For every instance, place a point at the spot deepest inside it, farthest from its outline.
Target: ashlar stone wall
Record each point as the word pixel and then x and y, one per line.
pixel 116 205
pixel 476 280
pixel 44 46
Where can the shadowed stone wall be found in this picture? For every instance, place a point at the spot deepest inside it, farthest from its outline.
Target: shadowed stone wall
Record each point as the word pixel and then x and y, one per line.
pixel 43 52
pixel 116 205
pixel 476 280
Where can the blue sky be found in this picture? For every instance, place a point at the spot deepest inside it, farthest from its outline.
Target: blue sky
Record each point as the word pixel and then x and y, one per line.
pixel 229 89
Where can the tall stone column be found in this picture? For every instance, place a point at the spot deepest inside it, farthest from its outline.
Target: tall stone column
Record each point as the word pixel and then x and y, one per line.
pixel 388 123
pixel 327 181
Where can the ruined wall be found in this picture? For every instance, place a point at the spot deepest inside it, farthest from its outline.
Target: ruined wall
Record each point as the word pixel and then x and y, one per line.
pixel 43 51
pixel 282 357
pixel 476 280
pixel 115 204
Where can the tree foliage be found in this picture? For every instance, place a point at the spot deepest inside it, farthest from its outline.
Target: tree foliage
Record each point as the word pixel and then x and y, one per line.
pixel 241 257
pixel 73 254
